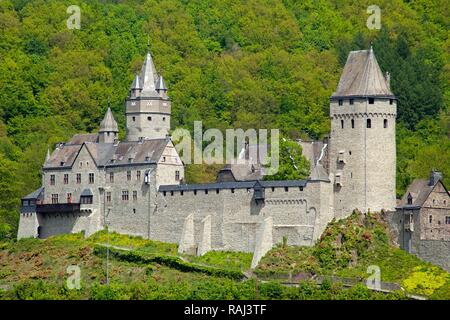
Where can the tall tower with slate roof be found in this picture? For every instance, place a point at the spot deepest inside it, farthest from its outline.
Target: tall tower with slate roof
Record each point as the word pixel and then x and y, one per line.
pixel 362 151
pixel 148 107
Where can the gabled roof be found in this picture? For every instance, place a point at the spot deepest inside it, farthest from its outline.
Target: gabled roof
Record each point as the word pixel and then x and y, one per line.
pixel 63 156
pixel 147 151
pixel 362 77
pixel 420 190
pixel 83 137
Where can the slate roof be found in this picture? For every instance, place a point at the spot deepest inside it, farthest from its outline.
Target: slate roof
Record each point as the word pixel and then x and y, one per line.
pixel 362 77
pixel 83 137
pixel 108 123
pixel 104 153
pixel 148 78
pixel 419 189
pixel 35 194
pixel 233 185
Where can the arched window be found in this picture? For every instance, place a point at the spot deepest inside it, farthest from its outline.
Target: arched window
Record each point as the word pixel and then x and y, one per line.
pixel 353 124
pixel 369 123
pixel 385 123
pixel 342 124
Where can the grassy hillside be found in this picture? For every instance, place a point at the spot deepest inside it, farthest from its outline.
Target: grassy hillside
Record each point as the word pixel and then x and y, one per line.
pixel 249 64
pixel 142 269
pixel 348 247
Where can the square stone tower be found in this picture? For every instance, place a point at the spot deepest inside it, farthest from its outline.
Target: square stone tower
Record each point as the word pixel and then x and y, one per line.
pixel 148 107
pixel 362 140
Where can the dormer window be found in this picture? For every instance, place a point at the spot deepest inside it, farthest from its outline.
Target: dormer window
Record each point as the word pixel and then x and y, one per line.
pixel 62 163
pixel 410 199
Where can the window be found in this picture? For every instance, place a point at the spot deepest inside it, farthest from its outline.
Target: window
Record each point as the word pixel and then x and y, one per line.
pixel 55 198
pixel 385 123
pixel 134 119
pixel 195 192
pixel 163 159
pixel 353 124
pixel 128 175
pixel 447 220
pixel 134 195
pixel 217 191
pixel 352 101
pixel 81 164
pixel 78 178
pixel 273 189
pixel 371 100
pixel 134 210
pixel 232 190
pixel 342 124
pixel 177 175
pixel 66 178
pixel 301 188
pixel 171 193
pixel 164 118
pixel 410 199
pixel 149 118
pixel 430 219
pixel 125 195
pixel 206 191
pixel 111 177
pixel 108 196
pixel 69 197
pixel 138 175
pixel 181 192
pixel 391 101
pixel 164 193
pixel 86 199
pixel 369 123
pixel 341 102
pixel 286 189
pixel 52 180
pixel 91 178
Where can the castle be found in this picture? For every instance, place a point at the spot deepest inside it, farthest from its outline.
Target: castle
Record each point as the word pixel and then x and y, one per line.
pixel 134 186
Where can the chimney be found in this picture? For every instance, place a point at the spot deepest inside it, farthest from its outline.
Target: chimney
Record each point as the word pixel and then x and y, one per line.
pixel 435 177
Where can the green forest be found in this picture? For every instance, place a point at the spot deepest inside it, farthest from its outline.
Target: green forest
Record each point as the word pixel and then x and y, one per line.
pixel 232 64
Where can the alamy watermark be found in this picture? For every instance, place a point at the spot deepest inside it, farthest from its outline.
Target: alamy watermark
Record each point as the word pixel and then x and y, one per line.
pixel 74 21
pixel 374 280
pixel 73 281
pixel 374 20
pixel 250 147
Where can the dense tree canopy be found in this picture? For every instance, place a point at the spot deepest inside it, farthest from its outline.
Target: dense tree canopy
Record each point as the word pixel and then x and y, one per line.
pixel 237 63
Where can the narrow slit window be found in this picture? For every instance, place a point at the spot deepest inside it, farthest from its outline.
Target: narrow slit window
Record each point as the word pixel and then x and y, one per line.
pixel 369 123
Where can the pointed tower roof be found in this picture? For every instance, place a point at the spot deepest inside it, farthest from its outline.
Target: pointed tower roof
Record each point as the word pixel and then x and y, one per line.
pixel 161 84
pixel 362 77
pixel 136 82
pixel 47 157
pixel 148 78
pixel 108 123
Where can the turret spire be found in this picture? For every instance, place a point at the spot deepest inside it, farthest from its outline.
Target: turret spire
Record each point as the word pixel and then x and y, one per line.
pixel 148 77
